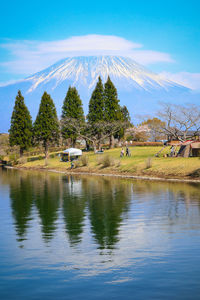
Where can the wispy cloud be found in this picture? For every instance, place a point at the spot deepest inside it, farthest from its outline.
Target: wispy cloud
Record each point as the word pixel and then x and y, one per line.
pixel 31 56
pixel 5 83
pixel 190 80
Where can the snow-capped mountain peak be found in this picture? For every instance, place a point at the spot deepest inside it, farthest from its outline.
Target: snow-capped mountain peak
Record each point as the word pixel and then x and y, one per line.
pixel 85 70
pixel 138 88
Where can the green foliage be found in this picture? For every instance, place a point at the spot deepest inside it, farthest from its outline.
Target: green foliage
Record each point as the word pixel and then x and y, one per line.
pixel 21 125
pixel 13 158
pixel 125 114
pixel 46 126
pixel 96 104
pixel 72 109
pixel 126 120
pixel 112 107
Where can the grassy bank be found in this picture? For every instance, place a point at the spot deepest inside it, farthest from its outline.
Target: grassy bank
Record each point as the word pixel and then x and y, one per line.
pixel 141 163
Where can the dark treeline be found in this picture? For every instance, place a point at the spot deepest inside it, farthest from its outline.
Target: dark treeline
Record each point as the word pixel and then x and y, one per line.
pixel 106 119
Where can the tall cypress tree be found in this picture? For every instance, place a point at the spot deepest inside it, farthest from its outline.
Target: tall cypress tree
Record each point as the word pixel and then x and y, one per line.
pixel 20 132
pixel 112 108
pixel 72 109
pixel 96 104
pixel 46 126
pixel 126 119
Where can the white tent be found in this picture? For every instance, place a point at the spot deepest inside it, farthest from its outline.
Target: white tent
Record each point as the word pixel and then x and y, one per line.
pixel 73 152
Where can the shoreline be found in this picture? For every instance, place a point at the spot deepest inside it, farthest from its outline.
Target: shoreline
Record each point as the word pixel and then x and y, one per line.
pixel 135 177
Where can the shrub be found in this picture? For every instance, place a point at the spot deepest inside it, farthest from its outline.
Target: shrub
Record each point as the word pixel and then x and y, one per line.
pixel 84 160
pixel 99 160
pixel 40 157
pixel 118 163
pixel 13 158
pixel 107 161
pixel 22 160
pixel 77 164
pixel 1 157
pixel 195 174
pixel 148 163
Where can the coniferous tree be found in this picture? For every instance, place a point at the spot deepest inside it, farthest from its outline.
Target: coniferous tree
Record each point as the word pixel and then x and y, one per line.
pixel 126 122
pixel 72 109
pixel 96 108
pixel 125 114
pixel 112 111
pixel 112 107
pixel 96 104
pixel 46 126
pixel 20 132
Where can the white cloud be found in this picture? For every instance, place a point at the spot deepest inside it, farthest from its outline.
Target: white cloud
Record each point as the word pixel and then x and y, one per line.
pixel 5 83
pixel 190 80
pixel 32 56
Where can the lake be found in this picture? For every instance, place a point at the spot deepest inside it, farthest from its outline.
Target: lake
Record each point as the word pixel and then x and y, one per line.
pixel 87 237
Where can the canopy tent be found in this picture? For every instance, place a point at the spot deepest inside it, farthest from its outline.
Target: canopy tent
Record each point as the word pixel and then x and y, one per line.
pixel 70 154
pixel 73 152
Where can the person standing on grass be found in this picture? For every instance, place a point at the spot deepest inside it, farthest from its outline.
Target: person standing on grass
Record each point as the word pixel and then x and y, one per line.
pixel 122 152
pixel 128 153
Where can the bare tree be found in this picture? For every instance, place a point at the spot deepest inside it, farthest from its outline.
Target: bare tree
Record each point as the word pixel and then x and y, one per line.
pixel 90 132
pixel 180 119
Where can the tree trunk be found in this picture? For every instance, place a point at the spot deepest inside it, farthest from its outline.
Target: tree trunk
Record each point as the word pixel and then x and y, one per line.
pixel 87 145
pixel 95 147
pixel 99 142
pixel 46 153
pixel 111 141
pixel 73 142
pixel 21 152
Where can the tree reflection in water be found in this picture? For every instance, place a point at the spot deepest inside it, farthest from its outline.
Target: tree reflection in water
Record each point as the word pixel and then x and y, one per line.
pixel 105 203
pixel 46 193
pixel 21 195
pixel 73 208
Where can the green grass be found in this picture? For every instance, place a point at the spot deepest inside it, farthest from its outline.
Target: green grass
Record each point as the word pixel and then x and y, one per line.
pixel 135 165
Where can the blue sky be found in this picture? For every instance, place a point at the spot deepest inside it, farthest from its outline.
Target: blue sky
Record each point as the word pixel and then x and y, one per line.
pixel 162 35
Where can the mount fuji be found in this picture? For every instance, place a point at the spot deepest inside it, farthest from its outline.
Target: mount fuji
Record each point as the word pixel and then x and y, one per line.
pixel 138 88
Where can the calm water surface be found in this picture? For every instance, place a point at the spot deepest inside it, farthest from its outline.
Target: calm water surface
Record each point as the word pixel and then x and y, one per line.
pixel 67 237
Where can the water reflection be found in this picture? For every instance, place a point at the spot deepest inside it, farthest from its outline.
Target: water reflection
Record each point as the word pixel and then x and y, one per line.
pixel 46 193
pixel 104 204
pixel 73 208
pixel 21 195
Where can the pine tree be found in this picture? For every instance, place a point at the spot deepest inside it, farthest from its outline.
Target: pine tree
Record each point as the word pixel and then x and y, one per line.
pixel 96 109
pixel 96 104
pixel 112 111
pixel 72 109
pixel 126 121
pixel 46 126
pixel 20 132
pixel 112 107
pixel 125 114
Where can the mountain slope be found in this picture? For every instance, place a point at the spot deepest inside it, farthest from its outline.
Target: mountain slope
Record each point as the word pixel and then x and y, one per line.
pixel 86 70
pixel 138 88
